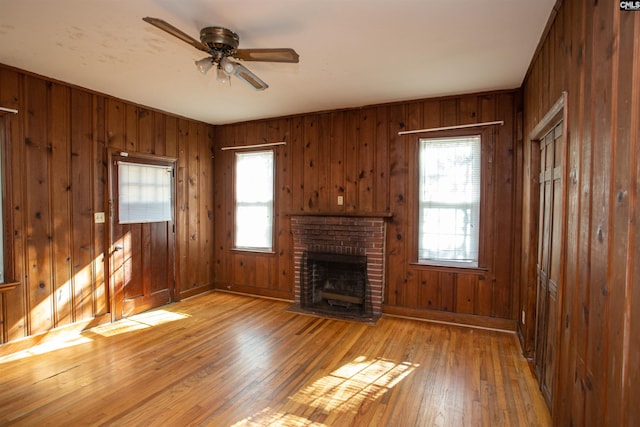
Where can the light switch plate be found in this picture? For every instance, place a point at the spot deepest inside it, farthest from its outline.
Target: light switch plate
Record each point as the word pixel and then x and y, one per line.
pixel 99 217
pixel 340 200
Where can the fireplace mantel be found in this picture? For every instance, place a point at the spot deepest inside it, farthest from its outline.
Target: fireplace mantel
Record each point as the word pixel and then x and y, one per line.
pixel 356 214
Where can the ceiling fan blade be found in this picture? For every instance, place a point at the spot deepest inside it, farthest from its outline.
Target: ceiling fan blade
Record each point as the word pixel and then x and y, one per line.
pixel 268 55
pixel 243 73
pixel 165 26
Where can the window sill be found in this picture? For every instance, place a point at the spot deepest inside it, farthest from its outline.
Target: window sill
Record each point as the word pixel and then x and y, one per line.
pixel 254 251
pixel 450 268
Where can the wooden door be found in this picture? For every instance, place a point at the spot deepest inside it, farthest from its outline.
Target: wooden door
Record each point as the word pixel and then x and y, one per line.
pixel 142 253
pixel 548 259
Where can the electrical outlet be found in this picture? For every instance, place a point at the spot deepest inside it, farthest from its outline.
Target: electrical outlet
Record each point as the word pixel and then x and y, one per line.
pixel 340 200
pixel 99 217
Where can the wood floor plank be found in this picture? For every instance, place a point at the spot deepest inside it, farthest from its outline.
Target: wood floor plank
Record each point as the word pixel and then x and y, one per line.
pixel 223 359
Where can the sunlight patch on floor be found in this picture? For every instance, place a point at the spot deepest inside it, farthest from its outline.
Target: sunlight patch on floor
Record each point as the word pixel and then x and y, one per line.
pixel 272 418
pixel 137 322
pixel 348 386
pixel 46 347
pixel 343 390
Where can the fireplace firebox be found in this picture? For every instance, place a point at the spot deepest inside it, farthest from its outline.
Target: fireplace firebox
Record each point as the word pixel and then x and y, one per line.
pixel 339 264
pixel 335 284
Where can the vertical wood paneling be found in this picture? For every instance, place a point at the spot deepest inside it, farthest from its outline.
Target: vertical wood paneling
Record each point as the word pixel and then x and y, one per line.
pixel 58 173
pixel 323 163
pixel 337 165
pixel 297 149
pixel 396 263
pixel 631 376
pixel 601 175
pixel 358 153
pixel 205 204
pixel 592 52
pixel 429 290
pixel 221 191
pixel 82 194
pixel 381 153
pixel 351 172
pixel 282 271
pixel 14 302
pixel 505 173
pixel 61 191
pixel 366 158
pixel 311 191
pixel 621 151
pixel 100 200
pixel 38 198
pixel 414 115
pixel 193 194
pixel 146 131
pixel 466 285
pixel 567 351
pixel 584 41
pixel 182 205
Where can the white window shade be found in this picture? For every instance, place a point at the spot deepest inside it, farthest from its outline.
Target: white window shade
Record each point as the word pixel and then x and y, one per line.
pixel 254 200
pixel 144 193
pixel 449 217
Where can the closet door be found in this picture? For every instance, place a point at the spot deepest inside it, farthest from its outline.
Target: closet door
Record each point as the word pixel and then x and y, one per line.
pixel 548 259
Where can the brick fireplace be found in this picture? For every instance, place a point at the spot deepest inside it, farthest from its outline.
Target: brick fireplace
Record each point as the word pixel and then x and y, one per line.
pixel 345 239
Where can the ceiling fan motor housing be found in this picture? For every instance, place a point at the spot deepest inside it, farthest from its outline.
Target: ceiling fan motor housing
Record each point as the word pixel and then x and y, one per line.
pixel 222 41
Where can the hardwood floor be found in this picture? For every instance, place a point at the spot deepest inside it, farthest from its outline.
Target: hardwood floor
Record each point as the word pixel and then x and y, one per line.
pixel 229 360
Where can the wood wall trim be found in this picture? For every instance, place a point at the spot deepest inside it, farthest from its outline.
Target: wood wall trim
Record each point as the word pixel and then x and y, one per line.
pixel 554 115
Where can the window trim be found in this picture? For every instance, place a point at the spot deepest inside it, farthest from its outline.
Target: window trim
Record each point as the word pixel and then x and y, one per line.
pixel 134 163
pixel 259 250
pixel 479 267
pixel 141 158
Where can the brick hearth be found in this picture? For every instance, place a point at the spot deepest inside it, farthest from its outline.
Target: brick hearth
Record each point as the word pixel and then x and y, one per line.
pixel 345 235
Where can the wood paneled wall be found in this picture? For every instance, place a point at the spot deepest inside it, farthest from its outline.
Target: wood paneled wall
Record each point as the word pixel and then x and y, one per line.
pixel 56 179
pixel 592 52
pixel 358 154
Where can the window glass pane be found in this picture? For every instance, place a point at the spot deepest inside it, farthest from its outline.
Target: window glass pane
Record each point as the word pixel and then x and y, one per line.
pixel 254 200
pixel 449 198
pixel 144 193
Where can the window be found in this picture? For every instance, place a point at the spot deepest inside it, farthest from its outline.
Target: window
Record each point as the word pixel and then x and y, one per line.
pixel 144 193
pixel 449 201
pixel 254 200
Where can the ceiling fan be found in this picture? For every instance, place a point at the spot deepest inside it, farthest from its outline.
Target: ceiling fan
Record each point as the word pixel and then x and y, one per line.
pixel 221 44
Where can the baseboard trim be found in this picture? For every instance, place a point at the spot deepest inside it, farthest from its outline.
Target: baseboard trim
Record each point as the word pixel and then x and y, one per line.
pixel 195 291
pixel 58 334
pixel 459 319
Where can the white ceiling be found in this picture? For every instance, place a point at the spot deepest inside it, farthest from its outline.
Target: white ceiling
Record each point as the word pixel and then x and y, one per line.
pixel 352 52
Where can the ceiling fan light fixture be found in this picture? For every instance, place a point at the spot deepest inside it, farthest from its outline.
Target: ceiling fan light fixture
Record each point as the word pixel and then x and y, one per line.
pixel 221 76
pixel 204 64
pixel 229 67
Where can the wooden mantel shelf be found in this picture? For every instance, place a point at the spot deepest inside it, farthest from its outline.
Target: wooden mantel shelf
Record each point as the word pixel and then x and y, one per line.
pixel 9 286
pixel 347 214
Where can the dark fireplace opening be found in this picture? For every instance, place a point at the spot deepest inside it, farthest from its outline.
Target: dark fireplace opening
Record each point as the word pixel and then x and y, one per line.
pixel 335 284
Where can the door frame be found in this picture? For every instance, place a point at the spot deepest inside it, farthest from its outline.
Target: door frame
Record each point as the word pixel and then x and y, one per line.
pixel 112 156
pixel 557 113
